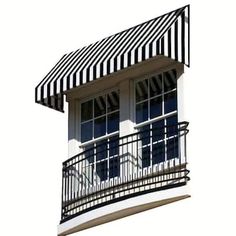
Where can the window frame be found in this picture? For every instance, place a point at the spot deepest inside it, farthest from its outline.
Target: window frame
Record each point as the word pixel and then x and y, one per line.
pixel 107 135
pixel 163 116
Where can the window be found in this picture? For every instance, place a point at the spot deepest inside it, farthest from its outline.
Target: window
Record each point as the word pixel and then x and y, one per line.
pixel 100 116
pixel 156 96
pixel 156 117
pixel 100 125
pixel 102 159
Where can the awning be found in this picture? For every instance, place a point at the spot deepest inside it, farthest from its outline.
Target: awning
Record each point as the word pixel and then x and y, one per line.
pixel 166 35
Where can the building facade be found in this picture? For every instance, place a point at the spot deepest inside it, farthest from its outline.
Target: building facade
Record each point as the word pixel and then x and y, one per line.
pixel 127 130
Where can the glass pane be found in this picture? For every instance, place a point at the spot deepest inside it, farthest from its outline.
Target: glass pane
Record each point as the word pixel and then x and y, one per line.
pixel 87 110
pixel 99 127
pixel 86 131
pixel 158 130
pixel 155 85
pixel 172 148
pixel 170 102
pixel 141 112
pixel 101 150
pixel 155 107
pixel 145 156
pixel 170 80
pixel 113 122
pixel 99 106
pixel 112 101
pixel 141 90
pixel 158 152
pixel 88 171
pixel 102 170
pixel 145 134
pixel 89 153
pixel 172 126
pixel 114 167
pixel 114 146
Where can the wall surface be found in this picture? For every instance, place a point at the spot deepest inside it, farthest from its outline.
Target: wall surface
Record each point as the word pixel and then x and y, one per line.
pixel 33 139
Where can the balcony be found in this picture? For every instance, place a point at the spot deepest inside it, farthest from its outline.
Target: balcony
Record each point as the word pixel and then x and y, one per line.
pixel 147 161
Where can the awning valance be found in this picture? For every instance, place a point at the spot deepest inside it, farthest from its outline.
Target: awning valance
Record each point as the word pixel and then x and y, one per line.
pixel 167 35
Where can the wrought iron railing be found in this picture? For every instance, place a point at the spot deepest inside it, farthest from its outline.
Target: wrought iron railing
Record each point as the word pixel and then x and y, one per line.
pixel 119 168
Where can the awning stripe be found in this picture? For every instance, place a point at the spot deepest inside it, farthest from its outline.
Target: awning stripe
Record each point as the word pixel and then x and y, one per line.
pixel 167 35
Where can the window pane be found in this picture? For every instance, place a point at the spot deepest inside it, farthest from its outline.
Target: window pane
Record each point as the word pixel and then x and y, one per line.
pixel 170 81
pixel 145 156
pixel 102 170
pixel 145 134
pixel 155 107
pixel 86 131
pixel 112 101
pixel 158 152
pixel 172 148
pixel 89 153
pixel 88 171
pixel 99 106
pixel 155 85
pixel 141 112
pixel 113 122
pixel 87 110
pixel 141 90
pixel 99 127
pixel 170 102
pixel 172 126
pixel 114 167
pixel 114 146
pixel 101 150
pixel 158 130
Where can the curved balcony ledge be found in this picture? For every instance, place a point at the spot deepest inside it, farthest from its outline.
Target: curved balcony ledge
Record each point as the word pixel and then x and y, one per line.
pixel 120 209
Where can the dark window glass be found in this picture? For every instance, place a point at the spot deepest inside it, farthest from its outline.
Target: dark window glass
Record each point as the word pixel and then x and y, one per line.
pixel 145 134
pixel 155 107
pixel 87 110
pixel 114 146
pixel 99 127
pixel 158 130
pixel 170 81
pixel 113 122
pixel 114 167
pixel 86 131
pixel 172 126
pixel 102 170
pixel 155 85
pixel 141 112
pixel 112 101
pixel 170 102
pixel 158 152
pixel 172 148
pixel 101 150
pixel 99 106
pixel 145 156
pixel 89 153
pixel 141 90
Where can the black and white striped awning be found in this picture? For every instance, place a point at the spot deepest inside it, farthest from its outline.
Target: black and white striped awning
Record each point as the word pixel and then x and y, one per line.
pixel 167 35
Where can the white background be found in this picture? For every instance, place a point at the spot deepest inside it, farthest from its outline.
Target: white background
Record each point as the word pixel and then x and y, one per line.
pixel 33 139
